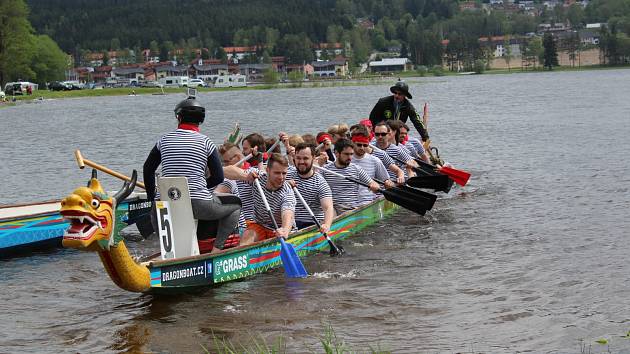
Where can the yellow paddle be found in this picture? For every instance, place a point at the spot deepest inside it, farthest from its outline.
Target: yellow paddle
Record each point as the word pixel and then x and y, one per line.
pixel 82 162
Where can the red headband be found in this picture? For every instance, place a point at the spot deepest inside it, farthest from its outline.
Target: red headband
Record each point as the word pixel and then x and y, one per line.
pixel 323 137
pixel 360 139
pixel 366 122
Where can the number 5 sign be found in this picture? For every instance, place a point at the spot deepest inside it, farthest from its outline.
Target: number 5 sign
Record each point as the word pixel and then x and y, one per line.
pixel 165 230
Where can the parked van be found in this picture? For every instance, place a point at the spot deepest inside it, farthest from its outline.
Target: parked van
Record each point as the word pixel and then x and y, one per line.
pixel 237 80
pixel 19 88
pixel 174 81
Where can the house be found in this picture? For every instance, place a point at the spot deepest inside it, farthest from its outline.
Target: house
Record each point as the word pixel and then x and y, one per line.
pixel 163 71
pixel 365 23
pixel 468 6
pixel 149 57
pixel 129 74
pixel 390 65
pixel 330 68
pixel 306 69
pixel 209 70
pixel 496 44
pixel 589 37
pixel 278 64
pixel 102 73
pixel 253 72
pixel 240 52
pixel 331 49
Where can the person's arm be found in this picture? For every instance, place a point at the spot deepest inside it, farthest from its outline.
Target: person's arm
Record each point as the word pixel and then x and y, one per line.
pixel 223 188
pixel 288 211
pixel 400 174
pixel 148 171
pixel 238 174
pixel 216 169
pixel 417 122
pixel 365 178
pixel 329 213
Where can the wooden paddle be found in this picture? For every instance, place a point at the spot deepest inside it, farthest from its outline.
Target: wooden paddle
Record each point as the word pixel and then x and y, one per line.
pixel 293 267
pixel 82 162
pixel 334 249
pixel 417 205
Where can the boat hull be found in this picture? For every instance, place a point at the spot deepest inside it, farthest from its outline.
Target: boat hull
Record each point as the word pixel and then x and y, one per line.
pixel 27 228
pixel 169 276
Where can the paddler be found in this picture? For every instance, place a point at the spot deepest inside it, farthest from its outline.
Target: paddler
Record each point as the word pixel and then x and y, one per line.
pixel 398 107
pixel 386 141
pixel 346 193
pixel 188 153
pixel 281 201
pixel 372 165
pixel 313 188
pixel 413 144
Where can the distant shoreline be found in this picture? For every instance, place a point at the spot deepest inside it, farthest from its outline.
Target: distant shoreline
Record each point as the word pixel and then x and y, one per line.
pixel 361 81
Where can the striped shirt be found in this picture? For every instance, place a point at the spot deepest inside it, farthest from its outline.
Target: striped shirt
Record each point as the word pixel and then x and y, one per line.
pixel 375 169
pixel 385 159
pixel 397 152
pixel 232 186
pixel 414 145
pixel 345 193
pixel 279 200
pixel 245 192
pixel 313 190
pixel 185 153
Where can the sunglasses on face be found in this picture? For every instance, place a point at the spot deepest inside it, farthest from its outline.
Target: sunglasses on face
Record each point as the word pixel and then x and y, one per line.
pixel 380 134
pixel 361 145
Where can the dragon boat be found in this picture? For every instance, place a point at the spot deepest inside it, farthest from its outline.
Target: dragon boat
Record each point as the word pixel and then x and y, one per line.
pixel 91 210
pixel 38 226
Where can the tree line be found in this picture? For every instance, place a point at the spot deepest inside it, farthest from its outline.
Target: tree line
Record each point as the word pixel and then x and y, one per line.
pixel 25 55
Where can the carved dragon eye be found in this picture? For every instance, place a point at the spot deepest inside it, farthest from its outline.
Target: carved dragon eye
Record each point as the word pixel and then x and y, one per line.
pixel 95 203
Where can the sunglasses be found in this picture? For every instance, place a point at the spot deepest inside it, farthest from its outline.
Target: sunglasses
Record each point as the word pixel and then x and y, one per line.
pixel 361 145
pixel 380 134
pixel 399 94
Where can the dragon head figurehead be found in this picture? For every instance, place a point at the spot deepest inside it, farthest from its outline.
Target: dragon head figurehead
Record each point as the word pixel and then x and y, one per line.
pixel 91 213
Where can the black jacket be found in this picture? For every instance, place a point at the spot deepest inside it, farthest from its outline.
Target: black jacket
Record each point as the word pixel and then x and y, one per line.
pixel 384 110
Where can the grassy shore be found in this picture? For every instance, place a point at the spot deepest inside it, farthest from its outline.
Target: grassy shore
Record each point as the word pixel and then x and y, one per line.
pixel 357 81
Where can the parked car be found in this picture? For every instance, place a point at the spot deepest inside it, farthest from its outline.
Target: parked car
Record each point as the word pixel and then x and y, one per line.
pixel 58 86
pixel 196 83
pixel 13 89
pixel 74 85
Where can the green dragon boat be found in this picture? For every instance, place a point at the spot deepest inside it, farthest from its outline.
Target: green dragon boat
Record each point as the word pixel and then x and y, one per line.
pixel 91 211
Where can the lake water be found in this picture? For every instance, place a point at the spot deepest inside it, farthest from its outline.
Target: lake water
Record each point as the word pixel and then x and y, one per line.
pixel 532 255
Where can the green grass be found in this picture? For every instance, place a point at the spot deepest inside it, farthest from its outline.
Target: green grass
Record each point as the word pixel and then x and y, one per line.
pixel 257 344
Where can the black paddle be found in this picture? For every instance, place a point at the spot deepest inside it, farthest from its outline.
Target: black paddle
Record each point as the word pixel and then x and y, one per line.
pixel 417 205
pixel 436 180
pixel 438 183
pixel 334 249
pixel 413 194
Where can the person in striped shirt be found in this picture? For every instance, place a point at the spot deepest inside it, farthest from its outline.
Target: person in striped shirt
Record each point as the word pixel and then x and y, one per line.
pixel 281 201
pixel 385 140
pixel 188 153
pixel 372 165
pixel 413 144
pixel 346 193
pixel 396 174
pixel 313 188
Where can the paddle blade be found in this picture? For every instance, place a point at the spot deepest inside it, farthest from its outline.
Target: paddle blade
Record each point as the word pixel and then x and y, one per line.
pixel 405 201
pixel 460 177
pixel 425 199
pixel 293 267
pixel 438 183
